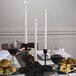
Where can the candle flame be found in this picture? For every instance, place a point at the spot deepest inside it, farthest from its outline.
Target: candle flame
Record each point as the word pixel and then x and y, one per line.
pixel 45 11
pixel 25 3
pixel 35 20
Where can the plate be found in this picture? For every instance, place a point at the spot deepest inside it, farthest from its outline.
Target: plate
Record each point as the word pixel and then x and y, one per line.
pixel 73 64
pixel 67 72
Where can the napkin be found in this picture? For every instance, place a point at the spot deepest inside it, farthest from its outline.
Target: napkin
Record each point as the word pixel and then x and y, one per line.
pixel 47 56
pixel 4 54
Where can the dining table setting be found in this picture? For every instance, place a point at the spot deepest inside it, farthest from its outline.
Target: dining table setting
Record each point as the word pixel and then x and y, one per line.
pixel 16 61
pixel 49 25
pixel 19 62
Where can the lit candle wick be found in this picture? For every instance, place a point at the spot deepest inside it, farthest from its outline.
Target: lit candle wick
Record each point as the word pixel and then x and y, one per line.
pixel 25 3
pixel 35 20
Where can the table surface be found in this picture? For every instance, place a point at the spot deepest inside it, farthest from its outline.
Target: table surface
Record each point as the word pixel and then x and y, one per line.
pixel 20 63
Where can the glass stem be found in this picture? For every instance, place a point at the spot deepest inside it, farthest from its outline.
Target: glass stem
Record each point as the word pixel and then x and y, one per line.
pixel 67 74
pixel 56 74
pixel 13 60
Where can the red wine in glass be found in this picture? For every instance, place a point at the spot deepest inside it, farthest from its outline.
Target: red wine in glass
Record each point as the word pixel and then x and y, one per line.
pixel 12 51
pixel 56 58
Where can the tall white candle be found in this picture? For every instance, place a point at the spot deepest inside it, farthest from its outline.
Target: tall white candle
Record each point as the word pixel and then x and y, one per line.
pixel 25 22
pixel 45 34
pixel 35 40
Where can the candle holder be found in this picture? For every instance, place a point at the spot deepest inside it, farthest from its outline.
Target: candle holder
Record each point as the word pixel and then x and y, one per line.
pixel 25 69
pixel 35 70
pixel 26 45
pixel 30 69
pixel 46 68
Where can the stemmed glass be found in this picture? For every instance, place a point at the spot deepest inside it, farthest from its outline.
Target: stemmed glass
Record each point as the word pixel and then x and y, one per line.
pixel 12 50
pixel 56 57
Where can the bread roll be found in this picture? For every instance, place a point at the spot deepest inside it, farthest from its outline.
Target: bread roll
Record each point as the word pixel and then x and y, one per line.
pixel 64 60
pixel 74 61
pixel 11 68
pixel 5 63
pixel 0 63
pixel 1 70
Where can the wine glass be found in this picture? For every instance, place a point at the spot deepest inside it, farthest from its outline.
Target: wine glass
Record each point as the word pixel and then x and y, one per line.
pixel 12 50
pixel 56 57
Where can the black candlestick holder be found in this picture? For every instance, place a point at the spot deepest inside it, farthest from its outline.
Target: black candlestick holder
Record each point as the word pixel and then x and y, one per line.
pixel 35 70
pixel 25 69
pixel 26 45
pixel 35 67
pixel 30 69
pixel 46 68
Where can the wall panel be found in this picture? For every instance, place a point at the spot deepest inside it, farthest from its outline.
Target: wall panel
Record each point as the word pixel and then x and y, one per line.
pixel 56 39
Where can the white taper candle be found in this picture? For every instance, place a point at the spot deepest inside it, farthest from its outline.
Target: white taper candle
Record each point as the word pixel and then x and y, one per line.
pixel 35 40
pixel 25 22
pixel 45 34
